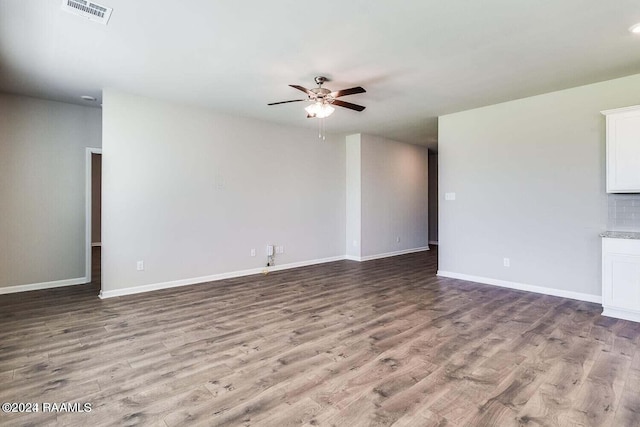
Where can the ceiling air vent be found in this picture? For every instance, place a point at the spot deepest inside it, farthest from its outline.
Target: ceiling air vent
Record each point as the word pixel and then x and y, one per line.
pixel 92 11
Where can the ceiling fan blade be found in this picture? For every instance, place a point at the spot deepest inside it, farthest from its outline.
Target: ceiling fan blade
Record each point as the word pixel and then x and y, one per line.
pixel 300 88
pixel 285 102
pixel 345 92
pixel 348 105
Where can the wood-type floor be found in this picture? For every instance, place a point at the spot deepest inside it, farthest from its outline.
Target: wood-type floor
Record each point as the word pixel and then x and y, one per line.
pixel 377 343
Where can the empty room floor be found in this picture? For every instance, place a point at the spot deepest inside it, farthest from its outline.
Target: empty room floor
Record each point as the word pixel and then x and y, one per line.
pixel 377 343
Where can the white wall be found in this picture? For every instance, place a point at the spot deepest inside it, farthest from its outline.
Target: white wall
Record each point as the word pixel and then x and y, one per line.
pixel 530 185
pixel 394 194
pixel 190 192
pixel 42 189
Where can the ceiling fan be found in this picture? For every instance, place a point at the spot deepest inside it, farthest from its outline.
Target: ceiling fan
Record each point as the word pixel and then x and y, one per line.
pixel 322 99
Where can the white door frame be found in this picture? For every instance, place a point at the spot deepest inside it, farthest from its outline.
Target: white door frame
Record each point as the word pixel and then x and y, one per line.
pixel 87 211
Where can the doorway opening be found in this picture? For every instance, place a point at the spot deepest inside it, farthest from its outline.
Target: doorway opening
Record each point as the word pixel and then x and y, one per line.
pixel 433 198
pixel 93 216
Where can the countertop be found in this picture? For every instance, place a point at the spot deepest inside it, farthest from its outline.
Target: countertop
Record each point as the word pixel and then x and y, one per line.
pixel 621 235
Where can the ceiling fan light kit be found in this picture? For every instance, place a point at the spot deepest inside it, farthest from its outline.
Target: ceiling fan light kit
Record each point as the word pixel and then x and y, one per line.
pixel 323 100
pixel 319 110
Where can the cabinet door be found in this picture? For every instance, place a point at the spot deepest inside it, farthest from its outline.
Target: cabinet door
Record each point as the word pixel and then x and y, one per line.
pixel 621 281
pixel 623 152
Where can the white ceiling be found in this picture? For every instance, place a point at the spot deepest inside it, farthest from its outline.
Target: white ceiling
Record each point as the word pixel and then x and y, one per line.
pixel 417 58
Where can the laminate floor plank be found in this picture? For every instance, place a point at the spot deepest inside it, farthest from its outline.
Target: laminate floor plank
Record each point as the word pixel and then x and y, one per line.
pixel 379 343
pixel 552 395
pixel 597 400
pixel 628 412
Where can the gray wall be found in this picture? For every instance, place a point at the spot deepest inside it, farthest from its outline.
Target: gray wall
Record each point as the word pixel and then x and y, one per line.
pixel 394 196
pixel 190 192
pixel 530 185
pixel 42 188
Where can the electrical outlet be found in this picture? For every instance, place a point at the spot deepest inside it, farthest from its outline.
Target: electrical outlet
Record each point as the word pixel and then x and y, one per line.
pixel 449 196
pixel 398 239
pixel 140 265
pixel 279 249
pixel 253 252
pixel 506 262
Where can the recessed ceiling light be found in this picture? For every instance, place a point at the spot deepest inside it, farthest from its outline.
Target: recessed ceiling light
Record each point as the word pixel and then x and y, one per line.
pixel 635 28
pixel 88 98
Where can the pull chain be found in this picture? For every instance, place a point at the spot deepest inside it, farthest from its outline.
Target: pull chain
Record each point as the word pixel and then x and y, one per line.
pixel 321 132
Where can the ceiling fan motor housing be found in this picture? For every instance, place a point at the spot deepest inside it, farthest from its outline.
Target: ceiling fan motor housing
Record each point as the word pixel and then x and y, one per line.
pixel 320 92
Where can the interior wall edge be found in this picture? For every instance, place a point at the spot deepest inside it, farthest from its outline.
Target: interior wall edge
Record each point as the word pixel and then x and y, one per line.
pixel 213 278
pixel 43 285
pixel 388 254
pixel 522 287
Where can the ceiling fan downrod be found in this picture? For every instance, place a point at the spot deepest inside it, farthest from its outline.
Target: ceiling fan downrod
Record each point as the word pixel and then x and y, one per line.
pixel 320 80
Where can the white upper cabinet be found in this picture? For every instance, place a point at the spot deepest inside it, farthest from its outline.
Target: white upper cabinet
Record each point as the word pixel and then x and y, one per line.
pixel 623 150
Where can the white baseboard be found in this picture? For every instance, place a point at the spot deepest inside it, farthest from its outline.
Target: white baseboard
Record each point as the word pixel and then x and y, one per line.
pixel 620 313
pixel 387 254
pixel 433 242
pixel 96 244
pixel 198 280
pixel 523 287
pixel 43 285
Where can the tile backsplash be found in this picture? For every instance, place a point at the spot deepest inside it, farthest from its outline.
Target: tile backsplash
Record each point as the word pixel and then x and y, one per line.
pixel 624 212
